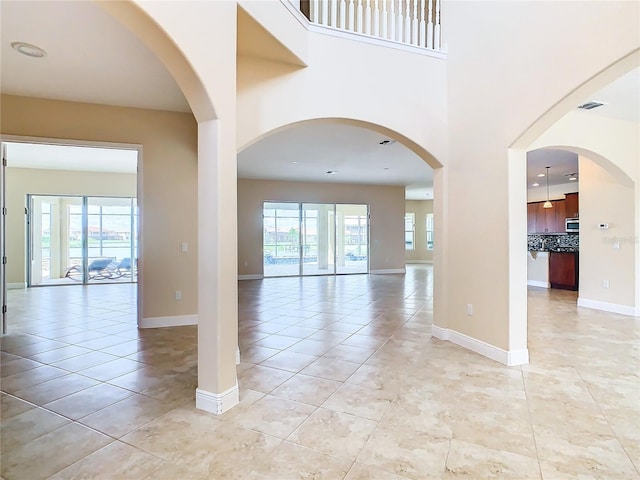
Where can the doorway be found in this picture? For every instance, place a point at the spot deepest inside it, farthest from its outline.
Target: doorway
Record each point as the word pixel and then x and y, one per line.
pixel 315 239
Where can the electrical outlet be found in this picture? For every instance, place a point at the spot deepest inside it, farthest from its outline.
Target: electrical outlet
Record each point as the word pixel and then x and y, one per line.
pixel 184 247
pixel 178 295
pixel 605 284
pixel 469 308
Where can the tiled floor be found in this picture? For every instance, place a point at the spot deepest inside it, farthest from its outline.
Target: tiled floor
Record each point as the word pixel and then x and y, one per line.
pixel 340 379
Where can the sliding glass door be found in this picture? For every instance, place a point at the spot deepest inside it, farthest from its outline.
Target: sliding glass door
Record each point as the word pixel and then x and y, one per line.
pixel 81 240
pixel 315 239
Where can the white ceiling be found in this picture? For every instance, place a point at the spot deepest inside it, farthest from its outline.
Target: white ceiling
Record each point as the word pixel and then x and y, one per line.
pixel 92 58
pixel 65 157
pixel 561 162
pixel 353 152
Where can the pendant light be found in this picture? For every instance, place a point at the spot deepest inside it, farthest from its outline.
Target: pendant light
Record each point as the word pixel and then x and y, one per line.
pixel 547 204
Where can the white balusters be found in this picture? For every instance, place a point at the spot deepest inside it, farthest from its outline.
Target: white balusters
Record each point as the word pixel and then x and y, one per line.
pixel 334 13
pixel 376 19
pixel 414 24
pixel 423 27
pixel 430 26
pixel 343 14
pixel 410 23
pixel 436 33
pixel 392 21
pixel 351 15
pixel 367 18
pixel 407 23
pixel 400 22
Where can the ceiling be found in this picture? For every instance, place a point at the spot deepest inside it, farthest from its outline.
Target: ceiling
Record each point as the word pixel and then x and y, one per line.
pixel 562 164
pixel 92 58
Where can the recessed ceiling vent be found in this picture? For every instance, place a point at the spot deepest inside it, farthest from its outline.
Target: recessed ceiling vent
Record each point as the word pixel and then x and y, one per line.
pixel 387 142
pixel 590 105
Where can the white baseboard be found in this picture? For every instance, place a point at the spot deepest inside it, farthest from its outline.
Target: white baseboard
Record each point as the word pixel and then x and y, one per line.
pixel 538 283
pixel 388 270
pixel 16 286
pixel 510 358
pixel 253 276
pixel 409 262
pixel 609 307
pixel 217 403
pixel 170 321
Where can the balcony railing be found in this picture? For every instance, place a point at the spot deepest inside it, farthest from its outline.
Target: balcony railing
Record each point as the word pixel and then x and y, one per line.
pixel 409 22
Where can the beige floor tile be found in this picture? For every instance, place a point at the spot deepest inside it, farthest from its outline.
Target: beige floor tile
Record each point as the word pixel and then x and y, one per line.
pixel 277 341
pixel 85 402
pixel 365 472
pixel 27 426
pixel 54 389
pixel 467 460
pixel 11 406
pixel 273 416
pixel 311 347
pixel 34 376
pixel 53 451
pixel 256 354
pixel 263 379
pixel 18 365
pixel 293 462
pixel 406 453
pixel 334 433
pixel 290 361
pixel 116 461
pixel 350 353
pixel 360 401
pixel 126 415
pixel 58 354
pixel 306 389
pixel 331 369
pixel 107 371
pixel 84 361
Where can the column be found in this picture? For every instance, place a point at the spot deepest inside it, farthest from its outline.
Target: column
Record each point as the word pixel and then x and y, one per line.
pixel 217 268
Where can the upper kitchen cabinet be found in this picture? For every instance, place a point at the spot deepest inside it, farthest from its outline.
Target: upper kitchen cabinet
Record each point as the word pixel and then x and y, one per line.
pixel 571 205
pixel 546 220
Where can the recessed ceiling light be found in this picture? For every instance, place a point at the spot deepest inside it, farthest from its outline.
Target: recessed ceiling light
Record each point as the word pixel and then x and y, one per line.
pixel 535 184
pixel 295 163
pixel 573 178
pixel 540 175
pixel 332 172
pixel 28 49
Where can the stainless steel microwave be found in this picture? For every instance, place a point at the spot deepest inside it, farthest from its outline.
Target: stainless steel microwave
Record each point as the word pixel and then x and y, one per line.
pixel 572 225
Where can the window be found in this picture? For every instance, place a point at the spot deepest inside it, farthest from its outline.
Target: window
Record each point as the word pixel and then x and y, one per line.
pixel 429 231
pixel 409 231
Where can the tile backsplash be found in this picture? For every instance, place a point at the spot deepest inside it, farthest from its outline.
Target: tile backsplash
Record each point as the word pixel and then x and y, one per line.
pixel 564 242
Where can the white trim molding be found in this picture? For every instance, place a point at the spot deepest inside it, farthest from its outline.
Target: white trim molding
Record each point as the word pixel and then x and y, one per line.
pixel 253 276
pixel 169 321
pixel 16 286
pixel 387 271
pixel 609 307
pixel 217 403
pixel 538 283
pixel 510 358
pixel 237 355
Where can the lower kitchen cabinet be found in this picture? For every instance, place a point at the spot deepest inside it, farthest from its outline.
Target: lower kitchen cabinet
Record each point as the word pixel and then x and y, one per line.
pixel 563 270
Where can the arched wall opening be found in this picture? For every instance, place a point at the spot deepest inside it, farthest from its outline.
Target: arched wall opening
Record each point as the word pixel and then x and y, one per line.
pixel 595 144
pixel 386 235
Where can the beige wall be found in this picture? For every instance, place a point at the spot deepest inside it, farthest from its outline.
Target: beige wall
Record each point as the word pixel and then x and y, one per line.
pixel 169 178
pixel 606 255
pixel 386 208
pixel 498 85
pixel 420 254
pixel 23 181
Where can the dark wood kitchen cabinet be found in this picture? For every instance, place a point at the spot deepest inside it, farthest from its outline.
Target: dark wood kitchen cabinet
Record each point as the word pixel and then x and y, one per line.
pixel 546 220
pixel 572 205
pixel 563 270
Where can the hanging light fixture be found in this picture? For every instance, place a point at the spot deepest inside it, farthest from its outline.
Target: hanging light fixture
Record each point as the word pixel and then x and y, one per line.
pixel 547 204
